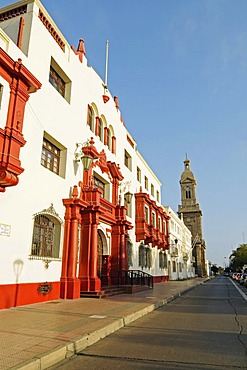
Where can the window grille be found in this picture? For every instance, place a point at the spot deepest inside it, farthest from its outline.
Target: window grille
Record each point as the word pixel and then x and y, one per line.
pixel 46 236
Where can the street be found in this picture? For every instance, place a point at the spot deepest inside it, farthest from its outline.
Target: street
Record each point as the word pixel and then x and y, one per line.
pixel 203 329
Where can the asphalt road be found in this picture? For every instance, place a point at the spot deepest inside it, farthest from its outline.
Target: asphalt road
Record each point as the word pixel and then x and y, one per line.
pixel 203 329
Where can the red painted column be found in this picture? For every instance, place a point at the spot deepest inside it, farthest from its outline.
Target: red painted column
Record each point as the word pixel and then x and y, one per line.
pixel 115 254
pixel 95 283
pixel 113 144
pixel 115 184
pixel 123 251
pixel 73 283
pixel 84 262
pixel 64 273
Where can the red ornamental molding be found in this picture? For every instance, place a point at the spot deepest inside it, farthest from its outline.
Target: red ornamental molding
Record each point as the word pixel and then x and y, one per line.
pixel 22 83
pixel 12 13
pixel 88 208
pixel 50 29
pixel 147 229
pixel 105 98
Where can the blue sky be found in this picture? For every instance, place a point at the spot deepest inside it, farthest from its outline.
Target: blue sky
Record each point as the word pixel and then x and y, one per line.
pixel 179 68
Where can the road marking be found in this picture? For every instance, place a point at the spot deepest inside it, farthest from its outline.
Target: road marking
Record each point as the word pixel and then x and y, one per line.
pixel 240 291
pixel 97 317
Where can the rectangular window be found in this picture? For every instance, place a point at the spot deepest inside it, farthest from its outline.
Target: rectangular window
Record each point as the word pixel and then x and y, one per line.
pixel 180 266
pixel 174 266
pixel 152 190
pixel 127 160
pixel 59 80
pixel 128 207
pixel 100 185
pixel 154 219
pixel 158 196
pixel 138 174
pixel 50 157
pixel 146 214
pixel 159 224
pixel 53 156
pixel 146 182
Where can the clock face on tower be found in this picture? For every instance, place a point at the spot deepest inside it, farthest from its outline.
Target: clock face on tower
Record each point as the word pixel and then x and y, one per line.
pixel 188 219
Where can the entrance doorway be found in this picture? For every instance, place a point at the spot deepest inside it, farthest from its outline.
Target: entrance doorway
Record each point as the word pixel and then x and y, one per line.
pixel 104 260
pixel 100 247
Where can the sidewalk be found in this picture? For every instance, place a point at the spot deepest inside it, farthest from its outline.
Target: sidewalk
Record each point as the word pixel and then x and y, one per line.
pixel 37 336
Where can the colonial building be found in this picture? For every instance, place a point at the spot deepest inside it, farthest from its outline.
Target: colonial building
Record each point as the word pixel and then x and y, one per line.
pixel 179 255
pixel 191 214
pixel 80 207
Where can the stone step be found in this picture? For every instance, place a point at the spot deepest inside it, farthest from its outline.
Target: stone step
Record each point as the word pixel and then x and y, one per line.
pixel 105 292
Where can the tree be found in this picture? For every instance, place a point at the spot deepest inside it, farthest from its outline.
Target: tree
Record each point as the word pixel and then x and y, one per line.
pixel 239 258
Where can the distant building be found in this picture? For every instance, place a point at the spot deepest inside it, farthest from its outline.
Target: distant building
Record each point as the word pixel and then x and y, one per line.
pixel 179 255
pixel 191 214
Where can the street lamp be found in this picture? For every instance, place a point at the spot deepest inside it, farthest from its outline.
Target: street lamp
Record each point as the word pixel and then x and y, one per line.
pixel 85 152
pixel 128 197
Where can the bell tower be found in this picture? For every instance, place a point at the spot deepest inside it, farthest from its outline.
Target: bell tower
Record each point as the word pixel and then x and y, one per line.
pixel 191 214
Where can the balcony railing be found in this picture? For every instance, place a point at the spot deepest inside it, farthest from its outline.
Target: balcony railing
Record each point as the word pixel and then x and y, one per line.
pixel 138 277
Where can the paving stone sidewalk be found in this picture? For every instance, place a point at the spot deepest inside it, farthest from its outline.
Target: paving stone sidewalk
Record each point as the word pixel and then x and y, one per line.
pixel 37 336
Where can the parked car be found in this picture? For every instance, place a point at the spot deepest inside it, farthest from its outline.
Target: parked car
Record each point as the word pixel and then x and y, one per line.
pixel 243 279
pixel 235 275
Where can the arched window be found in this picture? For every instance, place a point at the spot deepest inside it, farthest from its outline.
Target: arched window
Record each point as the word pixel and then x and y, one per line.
pixel 142 255
pixel 46 234
pixel 162 260
pixel 100 130
pixel 90 118
pixel 110 139
pixel 187 193
pixel 130 252
pixel 149 257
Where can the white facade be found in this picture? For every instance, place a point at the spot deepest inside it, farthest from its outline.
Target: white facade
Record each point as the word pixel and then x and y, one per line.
pixel 179 256
pixel 62 122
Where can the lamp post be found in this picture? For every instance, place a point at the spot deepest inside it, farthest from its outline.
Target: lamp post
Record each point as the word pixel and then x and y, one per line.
pixel 86 153
pixel 174 255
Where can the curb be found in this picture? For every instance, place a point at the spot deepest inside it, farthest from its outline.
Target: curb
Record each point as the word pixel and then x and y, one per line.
pixel 73 347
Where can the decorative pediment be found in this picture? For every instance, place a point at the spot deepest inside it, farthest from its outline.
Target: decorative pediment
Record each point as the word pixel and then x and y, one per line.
pixel 188 180
pixel 115 170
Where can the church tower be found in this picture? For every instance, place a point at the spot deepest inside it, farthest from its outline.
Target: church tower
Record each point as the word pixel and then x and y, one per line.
pixel 191 214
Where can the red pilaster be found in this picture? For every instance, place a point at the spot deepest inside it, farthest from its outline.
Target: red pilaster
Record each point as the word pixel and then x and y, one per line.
pixel 22 83
pixel 84 262
pixel 95 283
pixel 70 284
